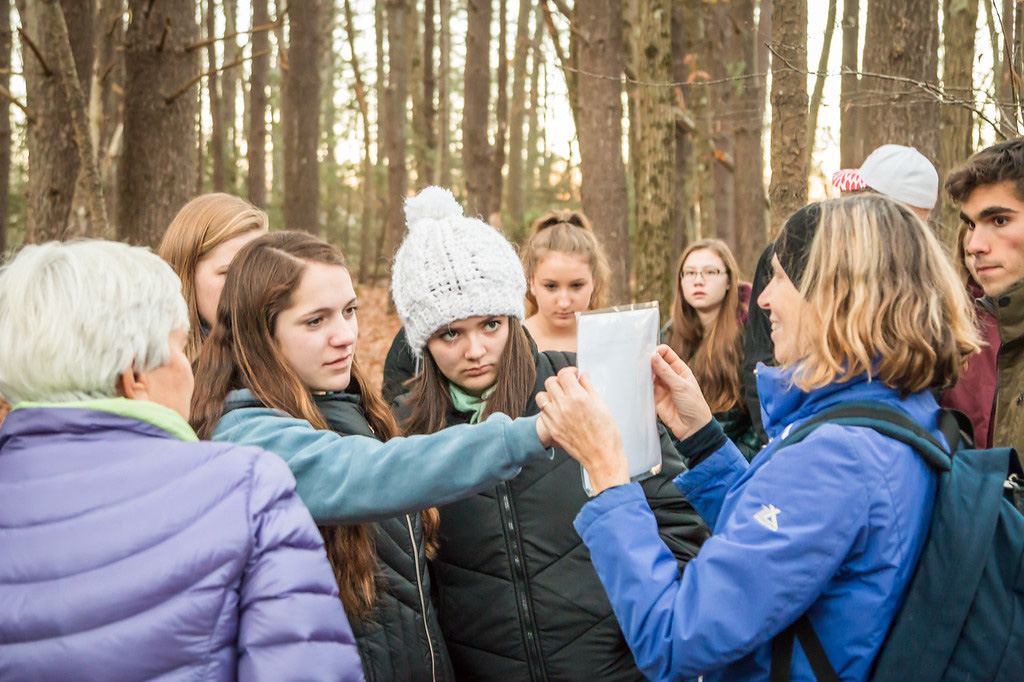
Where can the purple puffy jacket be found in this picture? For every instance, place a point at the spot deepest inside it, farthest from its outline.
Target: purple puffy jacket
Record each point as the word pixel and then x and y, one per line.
pixel 129 554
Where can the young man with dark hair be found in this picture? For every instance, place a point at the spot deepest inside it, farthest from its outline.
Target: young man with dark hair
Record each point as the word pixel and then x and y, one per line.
pixel 989 187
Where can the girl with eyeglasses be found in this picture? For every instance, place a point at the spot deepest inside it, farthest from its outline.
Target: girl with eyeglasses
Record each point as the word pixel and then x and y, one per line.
pixel 706 331
pixel 566 272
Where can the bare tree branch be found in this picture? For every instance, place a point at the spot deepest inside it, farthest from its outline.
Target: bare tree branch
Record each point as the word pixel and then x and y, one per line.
pixel 47 71
pixel 230 65
pixel 228 36
pixel 79 116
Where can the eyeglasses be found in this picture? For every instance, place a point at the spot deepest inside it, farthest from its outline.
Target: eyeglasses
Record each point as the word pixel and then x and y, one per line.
pixel 705 274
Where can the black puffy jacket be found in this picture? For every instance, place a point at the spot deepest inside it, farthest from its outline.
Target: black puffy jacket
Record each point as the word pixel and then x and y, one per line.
pixel 402 642
pixel 518 597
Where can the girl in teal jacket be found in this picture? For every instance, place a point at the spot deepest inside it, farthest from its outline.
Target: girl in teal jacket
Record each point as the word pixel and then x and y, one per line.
pixel 286 333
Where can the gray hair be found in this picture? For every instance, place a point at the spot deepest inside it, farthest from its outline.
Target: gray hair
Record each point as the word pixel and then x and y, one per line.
pixel 75 316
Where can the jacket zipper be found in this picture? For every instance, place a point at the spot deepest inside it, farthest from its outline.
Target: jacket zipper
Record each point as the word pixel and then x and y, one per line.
pixel 534 657
pixel 423 603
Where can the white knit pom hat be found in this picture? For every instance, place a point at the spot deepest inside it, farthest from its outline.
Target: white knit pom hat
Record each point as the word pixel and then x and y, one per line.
pixel 450 267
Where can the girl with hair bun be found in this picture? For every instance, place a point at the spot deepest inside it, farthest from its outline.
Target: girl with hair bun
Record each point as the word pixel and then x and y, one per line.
pixel 518 597
pixel 199 245
pixel 279 371
pixel 566 272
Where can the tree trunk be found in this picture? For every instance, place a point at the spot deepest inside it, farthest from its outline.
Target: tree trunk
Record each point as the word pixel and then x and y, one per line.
pixel 79 110
pixel 496 189
pixel 444 161
pixel 158 165
pixel 685 208
pixel 517 119
pixel 655 157
pixel 533 117
pixel 599 130
pixel 695 19
pixel 106 94
pixel 751 223
pixel 789 154
pixel 216 142
pixel 476 150
pixel 5 122
pixel 229 79
pixel 366 222
pixel 300 118
pixel 256 145
pixel 414 76
pixel 959 26
pixel 52 152
pixel 383 121
pixel 425 116
pixel 851 150
pixel 718 28
pixel 819 78
pixel 394 124
pixel 904 44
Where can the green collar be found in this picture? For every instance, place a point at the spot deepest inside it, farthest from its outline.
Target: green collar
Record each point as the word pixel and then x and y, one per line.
pixel 1008 308
pixel 145 411
pixel 464 402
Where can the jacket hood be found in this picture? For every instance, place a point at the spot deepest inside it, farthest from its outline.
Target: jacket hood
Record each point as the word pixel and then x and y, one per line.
pixel 783 403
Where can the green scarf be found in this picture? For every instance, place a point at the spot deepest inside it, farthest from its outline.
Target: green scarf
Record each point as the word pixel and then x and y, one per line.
pixel 143 410
pixel 471 404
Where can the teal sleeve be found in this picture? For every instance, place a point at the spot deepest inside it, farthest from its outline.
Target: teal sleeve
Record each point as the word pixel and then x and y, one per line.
pixel 357 479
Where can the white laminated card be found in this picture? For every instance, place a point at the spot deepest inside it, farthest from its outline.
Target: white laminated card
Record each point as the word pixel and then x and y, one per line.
pixel 614 346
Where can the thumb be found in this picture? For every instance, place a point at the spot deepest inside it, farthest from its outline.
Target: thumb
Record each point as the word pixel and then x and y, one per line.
pixel 663 370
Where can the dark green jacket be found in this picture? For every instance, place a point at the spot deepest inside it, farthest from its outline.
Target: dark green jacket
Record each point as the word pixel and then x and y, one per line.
pixel 518 597
pixel 1008 430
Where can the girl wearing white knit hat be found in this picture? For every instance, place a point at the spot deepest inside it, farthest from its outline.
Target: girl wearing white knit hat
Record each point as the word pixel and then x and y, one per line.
pixel 518 597
pixel 280 371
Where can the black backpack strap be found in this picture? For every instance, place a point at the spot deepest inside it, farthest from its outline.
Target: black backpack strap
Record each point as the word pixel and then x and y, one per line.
pixel 782 653
pixel 890 422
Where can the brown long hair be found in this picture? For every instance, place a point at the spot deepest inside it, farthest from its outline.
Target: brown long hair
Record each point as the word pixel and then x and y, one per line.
pixel 199 227
pixel 566 232
pixel 241 352
pixel 714 354
pixel 513 386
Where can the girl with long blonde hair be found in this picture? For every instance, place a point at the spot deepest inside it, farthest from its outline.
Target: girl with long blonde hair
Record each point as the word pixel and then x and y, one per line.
pixel 199 245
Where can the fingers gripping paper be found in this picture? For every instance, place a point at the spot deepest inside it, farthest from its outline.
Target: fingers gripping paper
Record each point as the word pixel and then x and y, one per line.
pixel 614 346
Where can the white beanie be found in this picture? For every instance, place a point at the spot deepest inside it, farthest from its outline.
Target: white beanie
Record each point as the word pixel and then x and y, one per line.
pixel 450 267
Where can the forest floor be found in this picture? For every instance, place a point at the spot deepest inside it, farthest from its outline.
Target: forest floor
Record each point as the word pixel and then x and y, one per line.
pixel 377 329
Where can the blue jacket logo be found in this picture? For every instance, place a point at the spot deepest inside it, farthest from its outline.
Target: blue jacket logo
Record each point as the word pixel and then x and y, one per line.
pixel 768 517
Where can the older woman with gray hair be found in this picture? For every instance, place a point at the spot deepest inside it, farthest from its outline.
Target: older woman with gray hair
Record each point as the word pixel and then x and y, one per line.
pixel 129 549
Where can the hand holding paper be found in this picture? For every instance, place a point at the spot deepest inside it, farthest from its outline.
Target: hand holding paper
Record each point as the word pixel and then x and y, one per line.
pixel 677 396
pixel 579 421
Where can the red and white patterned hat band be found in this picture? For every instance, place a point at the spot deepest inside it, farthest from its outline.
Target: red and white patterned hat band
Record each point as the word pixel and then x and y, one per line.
pixel 848 180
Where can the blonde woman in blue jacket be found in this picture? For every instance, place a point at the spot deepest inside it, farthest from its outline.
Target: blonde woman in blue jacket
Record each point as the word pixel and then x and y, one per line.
pixel 864 305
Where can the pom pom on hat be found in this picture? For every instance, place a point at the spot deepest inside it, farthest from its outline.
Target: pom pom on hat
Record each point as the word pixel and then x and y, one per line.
pixel 450 267
pixel 433 203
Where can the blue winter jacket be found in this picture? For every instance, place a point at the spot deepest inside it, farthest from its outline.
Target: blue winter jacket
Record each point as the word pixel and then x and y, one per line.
pixel 357 479
pixel 127 553
pixel 832 526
